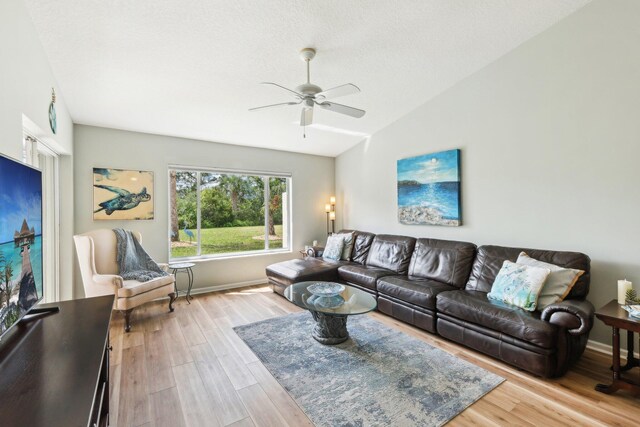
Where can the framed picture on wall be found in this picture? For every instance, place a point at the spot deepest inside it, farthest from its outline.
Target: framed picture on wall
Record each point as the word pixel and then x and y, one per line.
pixel 429 189
pixel 121 194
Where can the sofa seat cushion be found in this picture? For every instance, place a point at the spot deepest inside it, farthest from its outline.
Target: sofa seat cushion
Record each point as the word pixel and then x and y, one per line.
pixel 363 275
pixel 474 307
pixel 413 290
pixel 301 270
pixel 133 287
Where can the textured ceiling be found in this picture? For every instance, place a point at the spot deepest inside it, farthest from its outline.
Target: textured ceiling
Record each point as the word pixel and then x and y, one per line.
pixel 191 68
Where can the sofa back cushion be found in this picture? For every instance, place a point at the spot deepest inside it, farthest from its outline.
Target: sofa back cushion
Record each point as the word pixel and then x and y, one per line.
pixel 361 245
pixel 443 260
pixel 391 252
pixel 489 260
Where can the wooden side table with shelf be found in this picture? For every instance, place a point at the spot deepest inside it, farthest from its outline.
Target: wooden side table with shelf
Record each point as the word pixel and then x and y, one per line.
pixel 312 251
pixel 617 318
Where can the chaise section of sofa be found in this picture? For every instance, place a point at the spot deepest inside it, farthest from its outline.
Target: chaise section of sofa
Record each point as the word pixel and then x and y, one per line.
pixel 532 341
pixel 286 273
pixel 283 274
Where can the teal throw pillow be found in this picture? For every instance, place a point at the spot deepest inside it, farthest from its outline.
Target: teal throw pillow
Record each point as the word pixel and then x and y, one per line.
pixel 334 247
pixel 519 285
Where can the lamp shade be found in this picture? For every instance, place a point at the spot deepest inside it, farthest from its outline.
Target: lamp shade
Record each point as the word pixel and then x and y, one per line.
pixel 332 216
pixel 332 200
pixel 327 208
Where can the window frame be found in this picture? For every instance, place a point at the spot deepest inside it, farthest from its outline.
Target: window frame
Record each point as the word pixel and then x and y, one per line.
pixel 263 174
pixel 39 154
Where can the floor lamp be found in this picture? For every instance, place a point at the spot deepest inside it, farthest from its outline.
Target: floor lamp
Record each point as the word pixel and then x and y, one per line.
pixel 330 210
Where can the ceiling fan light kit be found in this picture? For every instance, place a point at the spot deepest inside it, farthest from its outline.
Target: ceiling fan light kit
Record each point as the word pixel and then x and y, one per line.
pixel 310 95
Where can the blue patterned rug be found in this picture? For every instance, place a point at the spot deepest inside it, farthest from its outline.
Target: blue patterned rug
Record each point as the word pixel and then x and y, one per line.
pixel 379 377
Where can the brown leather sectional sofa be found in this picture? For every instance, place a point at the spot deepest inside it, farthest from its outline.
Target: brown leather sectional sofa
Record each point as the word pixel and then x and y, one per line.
pixel 441 286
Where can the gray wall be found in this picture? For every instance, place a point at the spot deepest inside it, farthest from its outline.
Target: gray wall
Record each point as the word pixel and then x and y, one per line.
pixel 550 140
pixel 312 177
pixel 25 89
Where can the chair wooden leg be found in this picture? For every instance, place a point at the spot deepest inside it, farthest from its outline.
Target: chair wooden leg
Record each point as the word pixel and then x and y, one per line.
pixel 172 298
pixel 127 319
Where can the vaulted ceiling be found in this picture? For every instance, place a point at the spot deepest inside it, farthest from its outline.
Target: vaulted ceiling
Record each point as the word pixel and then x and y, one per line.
pixel 192 68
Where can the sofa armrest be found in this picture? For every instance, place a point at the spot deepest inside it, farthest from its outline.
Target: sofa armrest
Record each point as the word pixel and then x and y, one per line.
pixel 574 315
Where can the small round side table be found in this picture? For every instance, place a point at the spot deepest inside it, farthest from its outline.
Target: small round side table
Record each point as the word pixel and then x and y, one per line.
pixel 183 267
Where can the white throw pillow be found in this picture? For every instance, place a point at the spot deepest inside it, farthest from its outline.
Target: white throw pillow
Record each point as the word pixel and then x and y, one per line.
pixel 558 283
pixel 334 247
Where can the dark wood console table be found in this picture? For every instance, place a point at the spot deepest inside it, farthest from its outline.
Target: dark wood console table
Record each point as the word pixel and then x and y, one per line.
pixel 617 318
pixel 54 368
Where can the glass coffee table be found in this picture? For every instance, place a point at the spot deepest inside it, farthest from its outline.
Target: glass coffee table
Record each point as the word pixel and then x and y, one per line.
pixel 330 304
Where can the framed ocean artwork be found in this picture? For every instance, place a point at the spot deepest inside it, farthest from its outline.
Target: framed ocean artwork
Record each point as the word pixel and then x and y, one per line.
pixel 120 194
pixel 429 189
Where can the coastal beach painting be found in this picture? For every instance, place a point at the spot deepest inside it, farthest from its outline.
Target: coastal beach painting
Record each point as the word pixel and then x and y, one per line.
pixel 122 194
pixel 429 189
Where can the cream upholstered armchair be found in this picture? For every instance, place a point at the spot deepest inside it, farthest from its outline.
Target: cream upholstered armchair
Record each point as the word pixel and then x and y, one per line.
pixel 97 258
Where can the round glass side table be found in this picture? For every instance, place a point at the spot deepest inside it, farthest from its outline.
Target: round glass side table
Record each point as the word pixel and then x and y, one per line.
pixel 183 267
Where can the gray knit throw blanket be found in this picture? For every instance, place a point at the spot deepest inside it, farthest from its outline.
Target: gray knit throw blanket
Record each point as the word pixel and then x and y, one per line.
pixel 133 261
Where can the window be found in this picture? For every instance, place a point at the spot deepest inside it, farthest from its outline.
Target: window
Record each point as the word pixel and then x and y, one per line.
pixel 218 213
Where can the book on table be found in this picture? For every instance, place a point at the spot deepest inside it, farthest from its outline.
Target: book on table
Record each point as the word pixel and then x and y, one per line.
pixel 633 310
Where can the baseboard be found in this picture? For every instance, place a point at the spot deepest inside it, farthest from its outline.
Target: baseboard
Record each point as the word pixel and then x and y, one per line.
pixel 196 291
pixel 217 288
pixel 606 349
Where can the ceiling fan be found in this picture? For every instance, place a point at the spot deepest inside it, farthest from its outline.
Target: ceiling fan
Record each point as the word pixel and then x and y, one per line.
pixel 310 95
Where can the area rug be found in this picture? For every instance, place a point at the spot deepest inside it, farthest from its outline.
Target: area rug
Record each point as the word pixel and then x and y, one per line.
pixel 379 377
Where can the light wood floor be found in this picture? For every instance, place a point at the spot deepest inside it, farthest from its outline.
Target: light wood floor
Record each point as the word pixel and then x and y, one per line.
pixel 189 368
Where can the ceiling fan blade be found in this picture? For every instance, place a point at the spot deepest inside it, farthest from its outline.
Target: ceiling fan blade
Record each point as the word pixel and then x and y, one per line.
pixel 274 105
pixel 282 87
pixel 306 118
pixel 347 89
pixel 342 109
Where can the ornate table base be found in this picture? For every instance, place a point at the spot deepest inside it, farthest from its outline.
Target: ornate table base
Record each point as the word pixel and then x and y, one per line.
pixel 618 382
pixel 183 268
pixel 330 329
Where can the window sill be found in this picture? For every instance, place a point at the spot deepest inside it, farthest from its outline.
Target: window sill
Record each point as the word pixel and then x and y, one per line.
pixel 217 257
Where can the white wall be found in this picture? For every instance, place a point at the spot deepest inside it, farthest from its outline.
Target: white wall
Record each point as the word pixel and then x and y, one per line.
pixel 25 89
pixel 312 177
pixel 550 140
